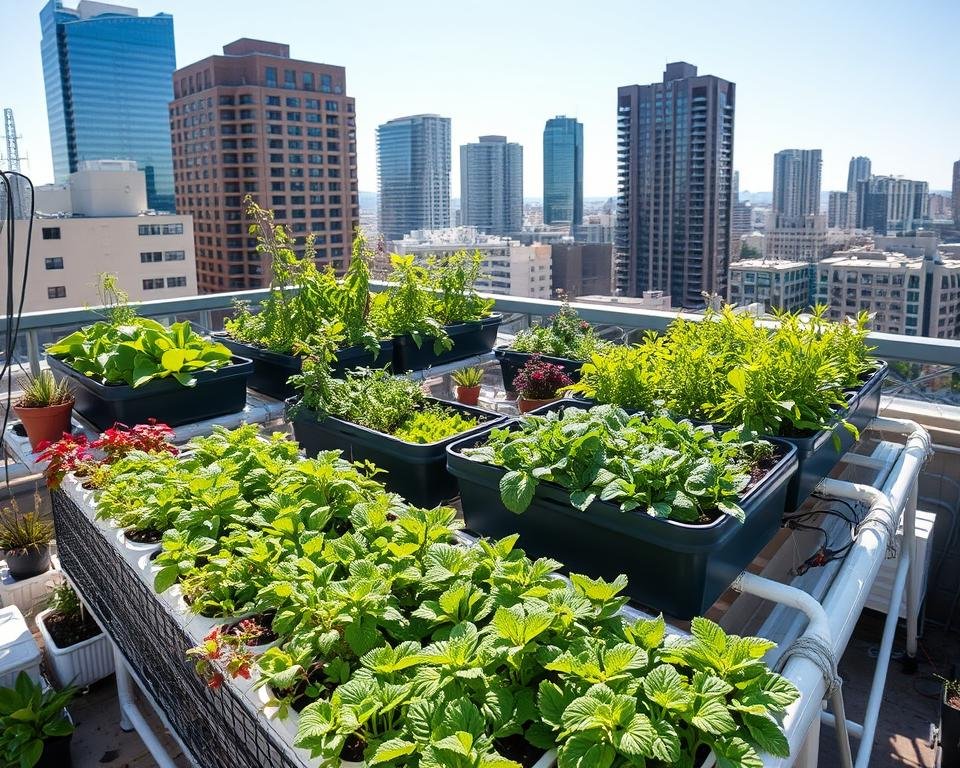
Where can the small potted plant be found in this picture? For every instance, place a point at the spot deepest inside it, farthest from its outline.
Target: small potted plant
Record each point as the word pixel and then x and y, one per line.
pixel 76 650
pixel 44 408
pixel 25 540
pixel 539 383
pixel 950 722
pixel 35 727
pixel 468 382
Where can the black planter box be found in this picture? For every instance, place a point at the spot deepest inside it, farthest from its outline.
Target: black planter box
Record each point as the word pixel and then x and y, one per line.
pixel 818 455
pixel 56 753
pixel 511 362
pixel 677 568
pixel 418 472
pixel 216 393
pixel 949 732
pixel 272 369
pixel 469 340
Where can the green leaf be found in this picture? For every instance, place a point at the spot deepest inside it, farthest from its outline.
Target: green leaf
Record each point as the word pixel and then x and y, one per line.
pixel 664 686
pixel 734 752
pixel 582 751
pixel 391 749
pixel 598 589
pixel 665 743
pixel 637 740
pixel 711 715
pixel 516 490
pixel 165 578
pixel 173 359
pixel 767 735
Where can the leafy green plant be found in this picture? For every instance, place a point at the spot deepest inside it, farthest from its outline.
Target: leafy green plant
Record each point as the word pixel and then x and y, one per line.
pixel 43 391
pixel 140 352
pixel 303 297
pixel 434 423
pixel 790 379
pixel 24 531
pixel 468 377
pixel 64 600
pixel 660 467
pixel 563 335
pixel 453 278
pixel 29 717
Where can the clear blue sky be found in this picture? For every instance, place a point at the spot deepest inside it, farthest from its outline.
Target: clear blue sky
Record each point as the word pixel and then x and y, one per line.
pixel 873 77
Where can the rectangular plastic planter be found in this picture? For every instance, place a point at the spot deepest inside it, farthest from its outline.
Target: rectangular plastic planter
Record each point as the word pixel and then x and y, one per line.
pixel 418 472
pixel 511 362
pixel 216 393
pixel 677 568
pixel 272 369
pixel 469 340
pixel 817 454
pixel 81 664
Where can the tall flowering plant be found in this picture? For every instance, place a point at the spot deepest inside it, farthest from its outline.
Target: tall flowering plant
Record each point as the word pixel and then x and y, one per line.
pixel 540 380
pixel 77 454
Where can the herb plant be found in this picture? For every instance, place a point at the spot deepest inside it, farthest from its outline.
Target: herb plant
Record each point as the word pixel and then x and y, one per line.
pixel 432 424
pixel 21 532
pixel 540 380
pixel 302 297
pixel 468 377
pixel 661 467
pixel 563 335
pixel 43 391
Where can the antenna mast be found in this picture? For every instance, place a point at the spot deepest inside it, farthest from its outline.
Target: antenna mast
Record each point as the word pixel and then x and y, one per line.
pixel 13 150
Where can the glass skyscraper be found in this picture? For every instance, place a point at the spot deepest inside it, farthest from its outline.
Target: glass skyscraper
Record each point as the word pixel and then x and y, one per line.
pixel 491 185
pixel 563 171
pixel 108 75
pixel 413 165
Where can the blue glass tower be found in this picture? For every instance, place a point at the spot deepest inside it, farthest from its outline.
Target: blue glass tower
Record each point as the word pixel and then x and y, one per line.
pixel 108 75
pixel 563 171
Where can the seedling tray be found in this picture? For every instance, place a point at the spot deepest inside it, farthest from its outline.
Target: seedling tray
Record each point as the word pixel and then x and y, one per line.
pixel 677 568
pixel 418 472
pixel 511 362
pixel 216 393
pixel 272 369
pixel 469 340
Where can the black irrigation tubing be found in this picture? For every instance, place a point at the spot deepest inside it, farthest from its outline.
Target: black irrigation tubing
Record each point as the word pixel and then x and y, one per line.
pixel 13 313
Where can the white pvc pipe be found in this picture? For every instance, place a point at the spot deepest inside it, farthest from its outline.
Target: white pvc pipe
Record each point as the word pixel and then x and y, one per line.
pixel 854 729
pixel 845 600
pixel 131 717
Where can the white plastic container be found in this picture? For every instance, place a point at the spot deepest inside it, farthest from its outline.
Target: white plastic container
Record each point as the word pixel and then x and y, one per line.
pixel 18 649
pixel 81 664
pixel 27 594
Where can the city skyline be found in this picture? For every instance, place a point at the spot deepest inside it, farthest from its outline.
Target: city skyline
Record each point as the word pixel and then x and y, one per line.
pixel 442 77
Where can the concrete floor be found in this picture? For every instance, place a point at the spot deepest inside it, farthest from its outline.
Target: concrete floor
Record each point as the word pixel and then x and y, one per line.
pixel 909 708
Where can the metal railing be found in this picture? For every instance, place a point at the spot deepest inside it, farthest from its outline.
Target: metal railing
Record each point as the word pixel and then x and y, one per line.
pixel 209 309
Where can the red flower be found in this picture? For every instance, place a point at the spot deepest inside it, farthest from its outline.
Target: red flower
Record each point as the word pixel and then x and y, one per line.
pixel 215 681
pixel 540 380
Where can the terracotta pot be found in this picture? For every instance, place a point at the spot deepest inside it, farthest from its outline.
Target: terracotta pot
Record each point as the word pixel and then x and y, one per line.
pixel 47 423
pixel 27 563
pixel 468 395
pixel 526 404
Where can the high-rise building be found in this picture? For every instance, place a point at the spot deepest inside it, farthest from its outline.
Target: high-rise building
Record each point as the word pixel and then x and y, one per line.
pixel 581 269
pixel 858 171
pixel 108 79
pixel 675 158
pixel 256 122
pixel 777 285
pixel 838 210
pixel 413 167
pixel 796 230
pixel 891 205
pixel 491 185
pixel 796 182
pixel 563 171
pixel 96 222
pixel 956 193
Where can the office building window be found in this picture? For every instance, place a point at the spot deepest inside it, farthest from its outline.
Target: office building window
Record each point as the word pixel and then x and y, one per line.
pixel 308 84
pixel 53 263
pixel 51 233
pixel 174 256
pixel 176 282
pixel 152 283
pixel 271 77
pixel 57 292
pixel 150 257
pixel 289 79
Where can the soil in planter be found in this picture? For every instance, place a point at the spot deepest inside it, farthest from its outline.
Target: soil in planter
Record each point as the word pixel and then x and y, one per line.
pixel 144 535
pixel 66 630
pixel 518 749
pixel 265 621
pixel 352 750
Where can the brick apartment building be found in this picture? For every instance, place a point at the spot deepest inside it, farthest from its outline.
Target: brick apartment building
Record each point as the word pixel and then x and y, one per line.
pixel 254 121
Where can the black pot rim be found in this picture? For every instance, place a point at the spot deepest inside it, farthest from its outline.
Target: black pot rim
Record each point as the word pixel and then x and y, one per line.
pixel 238 366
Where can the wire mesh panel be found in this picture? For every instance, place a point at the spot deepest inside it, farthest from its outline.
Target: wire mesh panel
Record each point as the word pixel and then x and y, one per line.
pixel 217 726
